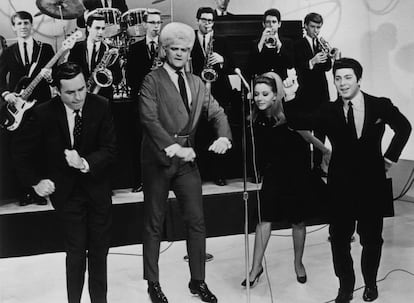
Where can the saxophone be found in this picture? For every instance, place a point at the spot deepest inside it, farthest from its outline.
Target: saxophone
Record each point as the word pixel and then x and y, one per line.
pixel 209 74
pixel 101 75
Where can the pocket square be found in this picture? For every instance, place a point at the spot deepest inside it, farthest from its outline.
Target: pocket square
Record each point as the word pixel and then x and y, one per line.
pixel 379 120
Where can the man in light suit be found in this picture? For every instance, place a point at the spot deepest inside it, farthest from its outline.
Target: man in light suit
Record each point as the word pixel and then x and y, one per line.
pixel 76 134
pixel 171 102
pixel 360 195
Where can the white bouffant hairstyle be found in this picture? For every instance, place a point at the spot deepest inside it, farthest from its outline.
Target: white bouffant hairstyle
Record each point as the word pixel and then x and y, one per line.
pixel 177 33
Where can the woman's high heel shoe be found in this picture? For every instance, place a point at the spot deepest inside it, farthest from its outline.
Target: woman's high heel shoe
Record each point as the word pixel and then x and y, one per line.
pixel 255 280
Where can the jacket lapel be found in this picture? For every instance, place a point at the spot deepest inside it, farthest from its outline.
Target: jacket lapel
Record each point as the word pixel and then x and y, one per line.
pixel 367 114
pixel 16 53
pixel 63 121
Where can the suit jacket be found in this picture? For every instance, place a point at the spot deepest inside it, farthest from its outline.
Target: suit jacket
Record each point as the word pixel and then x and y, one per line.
pixel 313 86
pixel 270 60
pixel 90 5
pixel 356 175
pixel 139 64
pixel 12 69
pixel 165 119
pixel 79 55
pixel 221 88
pixel 48 131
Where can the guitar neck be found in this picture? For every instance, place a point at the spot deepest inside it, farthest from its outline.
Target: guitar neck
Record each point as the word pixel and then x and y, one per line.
pixel 30 88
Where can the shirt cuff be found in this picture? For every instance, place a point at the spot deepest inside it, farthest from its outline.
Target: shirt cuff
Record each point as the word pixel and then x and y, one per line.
pixel 85 168
pixel 310 65
pixel 172 149
pixel 5 93
pixel 225 140
pixel 389 161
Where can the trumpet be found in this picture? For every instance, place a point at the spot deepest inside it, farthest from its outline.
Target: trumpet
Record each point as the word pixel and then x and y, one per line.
pixel 332 52
pixel 209 74
pixel 101 75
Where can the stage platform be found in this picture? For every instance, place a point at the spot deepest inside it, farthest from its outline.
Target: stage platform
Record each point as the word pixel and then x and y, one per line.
pixel 34 229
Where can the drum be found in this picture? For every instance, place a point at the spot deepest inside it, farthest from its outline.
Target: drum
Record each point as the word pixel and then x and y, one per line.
pixel 112 20
pixel 134 19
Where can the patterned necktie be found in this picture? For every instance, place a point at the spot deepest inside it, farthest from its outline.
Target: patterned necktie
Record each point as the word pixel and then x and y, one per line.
pixel 351 121
pixel 26 55
pixel 77 129
pixel 183 91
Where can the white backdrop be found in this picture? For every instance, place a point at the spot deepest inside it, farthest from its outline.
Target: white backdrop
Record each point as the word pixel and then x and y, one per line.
pixel 376 32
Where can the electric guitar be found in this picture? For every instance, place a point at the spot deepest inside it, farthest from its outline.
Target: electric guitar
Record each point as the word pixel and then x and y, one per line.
pixel 13 115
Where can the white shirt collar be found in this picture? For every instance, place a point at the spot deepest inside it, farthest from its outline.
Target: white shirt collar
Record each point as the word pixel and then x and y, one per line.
pixel 150 39
pixel 357 101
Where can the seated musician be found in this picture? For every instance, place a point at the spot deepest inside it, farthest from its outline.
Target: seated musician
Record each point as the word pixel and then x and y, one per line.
pixel 91 5
pixel 25 58
pixel 89 53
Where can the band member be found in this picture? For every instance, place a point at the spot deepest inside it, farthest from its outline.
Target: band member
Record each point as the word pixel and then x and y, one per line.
pixel 271 52
pixel 3 44
pixel 76 133
pixel 221 9
pixel 211 52
pixel 171 102
pixel 88 53
pixel 359 193
pixel 91 5
pixel 311 63
pixel 141 55
pixel 26 58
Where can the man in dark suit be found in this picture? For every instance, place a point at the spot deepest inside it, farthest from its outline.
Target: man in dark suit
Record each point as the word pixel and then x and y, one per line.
pixel 26 58
pixel 140 60
pixel 221 9
pixel 171 102
pixel 76 134
pixel 212 52
pixel 88 53
pixel 360 195
pixel 311 63
pixel 91 5
pixel 271 52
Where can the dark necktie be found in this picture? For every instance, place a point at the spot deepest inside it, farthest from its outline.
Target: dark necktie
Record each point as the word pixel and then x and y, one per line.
pixel 152 50
pixel 93 57
pixel 315 46
pixel 77 129
pixel 351 121
pixel 106 3
pixel 183 91
pixel 26 55
pixel 204 44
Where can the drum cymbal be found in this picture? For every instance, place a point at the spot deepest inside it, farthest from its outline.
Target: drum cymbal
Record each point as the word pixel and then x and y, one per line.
pixel 66 9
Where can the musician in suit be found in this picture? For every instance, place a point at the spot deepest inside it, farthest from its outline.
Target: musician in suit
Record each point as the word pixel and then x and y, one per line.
pixel 210 51
pixel 271 52
pixel 91 5
pixel 311 64
pixel 140 60
pixel 359 193
pixel 75 131
pixel 171 102
pixel 88 53
pixel 25 58
pixel 221 9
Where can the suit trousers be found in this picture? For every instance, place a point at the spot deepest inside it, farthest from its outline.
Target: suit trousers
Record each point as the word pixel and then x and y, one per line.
pixel 370 234
pixel 86 225
pixel 184 179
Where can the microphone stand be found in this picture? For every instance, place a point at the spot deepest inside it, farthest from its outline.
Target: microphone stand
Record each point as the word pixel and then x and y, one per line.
pixel 244 97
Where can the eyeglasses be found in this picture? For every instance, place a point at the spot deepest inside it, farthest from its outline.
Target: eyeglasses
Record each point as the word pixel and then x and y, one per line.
pixel 155 22
pixel 206 20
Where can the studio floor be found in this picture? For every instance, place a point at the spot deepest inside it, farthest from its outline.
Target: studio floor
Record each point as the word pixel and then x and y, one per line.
pixel 41 278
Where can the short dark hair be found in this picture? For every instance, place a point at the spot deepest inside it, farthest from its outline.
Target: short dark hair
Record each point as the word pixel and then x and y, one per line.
pixel 94 17
pixel 66 71
pixel 150 12
pixel 348 63
pixel 204 10
pixel 21 15
pixel 314 17
pixel 271 12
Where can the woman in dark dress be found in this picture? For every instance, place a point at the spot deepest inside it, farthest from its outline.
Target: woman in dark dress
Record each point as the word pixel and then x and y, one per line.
pixel 284 161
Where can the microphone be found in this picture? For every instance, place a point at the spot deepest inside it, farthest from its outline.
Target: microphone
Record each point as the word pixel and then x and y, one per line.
pixel 245 83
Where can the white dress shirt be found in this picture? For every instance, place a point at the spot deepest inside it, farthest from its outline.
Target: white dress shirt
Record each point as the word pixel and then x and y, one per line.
pixel 174 78
pixel 90 46
pixel 358 105
pixel 29 48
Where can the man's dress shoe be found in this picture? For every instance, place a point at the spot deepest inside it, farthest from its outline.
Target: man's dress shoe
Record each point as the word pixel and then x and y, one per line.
pixel 155 293
pixel 220 182
pixel 344 297
pixel 200 288
pixel 370 294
